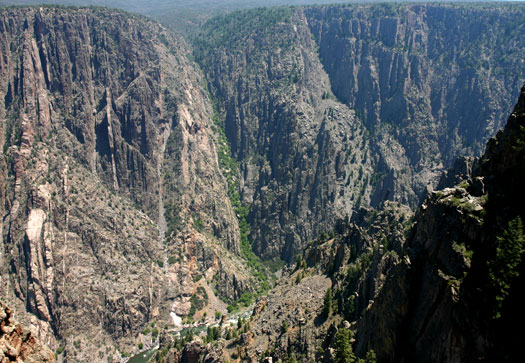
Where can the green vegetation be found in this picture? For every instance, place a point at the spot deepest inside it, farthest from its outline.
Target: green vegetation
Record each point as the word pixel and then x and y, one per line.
pixel 274 264
pixel 230 169
pixel 182 340
pixel 370 357
pixel 301 263
pixel 343 346
pixel 154 333
pixel 284 326
pixel 464 184
pixel 198 224
pixel 232 29
pixel 213 334
pixel 173 219
pixel 198 300
pixel 355 270
pixel 465 252
pixel 299 277
pixel 503 270
pixel 245 300
pixel 344 352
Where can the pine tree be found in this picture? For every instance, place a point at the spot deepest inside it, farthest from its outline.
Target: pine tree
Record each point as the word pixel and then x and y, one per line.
pixel 343 346
pixel 370 357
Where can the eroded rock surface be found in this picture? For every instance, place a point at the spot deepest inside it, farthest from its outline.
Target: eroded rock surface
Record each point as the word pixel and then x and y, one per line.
pixel 330 108
pixel 17 343
pixel 112 195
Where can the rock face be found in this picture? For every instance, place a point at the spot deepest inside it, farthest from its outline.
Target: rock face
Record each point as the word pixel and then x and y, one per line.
pixel 337 280
pixel 120 200
pixel 17 344
pixel 330 108
pixel 448 300
pixel 301 152
pixel 112 197
pixel 445 285
pixel 289 319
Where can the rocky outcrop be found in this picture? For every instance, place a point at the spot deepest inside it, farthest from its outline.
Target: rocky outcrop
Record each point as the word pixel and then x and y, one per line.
pixel 290 319
pixel 335 107
pixel 17 344
pixel 337 280
pixel 444 302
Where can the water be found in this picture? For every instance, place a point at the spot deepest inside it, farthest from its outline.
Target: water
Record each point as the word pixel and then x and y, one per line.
pixel 195 330
pixel 245 314
pixel 144 356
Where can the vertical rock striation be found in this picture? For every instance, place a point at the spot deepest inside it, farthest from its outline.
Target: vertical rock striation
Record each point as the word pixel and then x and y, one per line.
pixel 421 77
pixel 104 125
pixel 333 107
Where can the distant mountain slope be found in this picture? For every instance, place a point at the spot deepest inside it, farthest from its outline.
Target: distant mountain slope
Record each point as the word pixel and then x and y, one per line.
pixel 332 107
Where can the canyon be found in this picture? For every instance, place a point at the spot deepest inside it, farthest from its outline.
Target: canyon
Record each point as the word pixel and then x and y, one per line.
pixel 151 181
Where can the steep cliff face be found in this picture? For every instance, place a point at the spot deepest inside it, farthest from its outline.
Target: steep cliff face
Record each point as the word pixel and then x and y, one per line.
pixel 455 297
pixel 421 77
pixel 112 197
pixel 330 108
pixel 332 284
pixel 443 286
pixel 301 152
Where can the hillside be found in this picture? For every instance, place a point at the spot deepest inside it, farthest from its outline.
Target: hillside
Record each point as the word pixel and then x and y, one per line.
pixel 331 108
pixel 112 197
pixel 442 286
pixel 150 184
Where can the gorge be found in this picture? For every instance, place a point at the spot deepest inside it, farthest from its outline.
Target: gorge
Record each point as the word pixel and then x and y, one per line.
pixel 147 176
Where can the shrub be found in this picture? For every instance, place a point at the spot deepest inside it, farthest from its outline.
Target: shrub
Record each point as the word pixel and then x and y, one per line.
pixel 284 326
pixel 154 333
